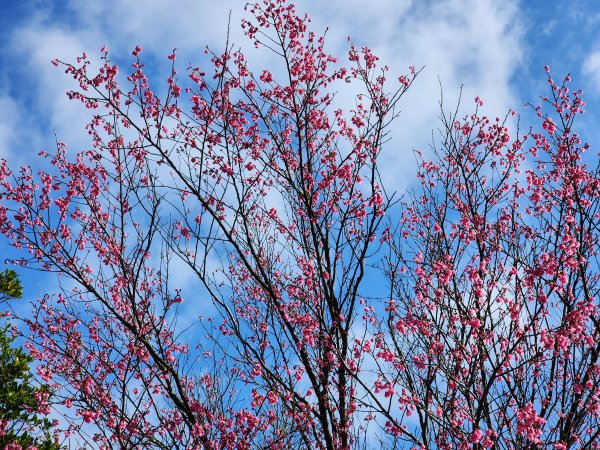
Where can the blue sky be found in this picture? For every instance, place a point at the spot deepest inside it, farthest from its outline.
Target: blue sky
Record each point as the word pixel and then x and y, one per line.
pixel 496 49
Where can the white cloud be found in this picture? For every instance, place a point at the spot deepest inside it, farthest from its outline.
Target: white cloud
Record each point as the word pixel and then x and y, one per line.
pixel 591 68
pixel 20 137
pixel 52 107
pixel 10 115
pixel 159 25
pixel 474 43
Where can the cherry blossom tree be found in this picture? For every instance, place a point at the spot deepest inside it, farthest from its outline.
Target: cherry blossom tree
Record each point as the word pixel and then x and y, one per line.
pixel 492 325
pixel 484 335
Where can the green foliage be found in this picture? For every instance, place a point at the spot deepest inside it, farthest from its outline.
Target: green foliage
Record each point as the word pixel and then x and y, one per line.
pixel 21 402
pixel 10 286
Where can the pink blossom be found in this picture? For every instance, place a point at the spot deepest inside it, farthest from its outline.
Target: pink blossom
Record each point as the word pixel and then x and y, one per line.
pixel 549 125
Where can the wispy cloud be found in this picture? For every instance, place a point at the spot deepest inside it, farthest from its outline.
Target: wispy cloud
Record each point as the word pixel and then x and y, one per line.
pixel 474 43
pixel 591 68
